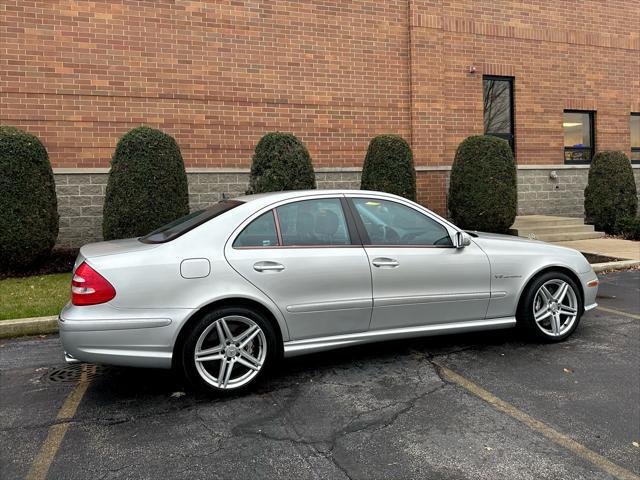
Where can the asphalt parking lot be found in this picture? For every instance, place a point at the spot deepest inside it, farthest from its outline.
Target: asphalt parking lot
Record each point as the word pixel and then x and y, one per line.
pixel 481 406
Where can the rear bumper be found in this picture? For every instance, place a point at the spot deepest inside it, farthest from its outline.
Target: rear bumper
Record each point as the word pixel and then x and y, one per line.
pixel 132 338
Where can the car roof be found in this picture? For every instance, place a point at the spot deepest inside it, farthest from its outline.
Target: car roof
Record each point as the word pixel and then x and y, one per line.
pixel 270 197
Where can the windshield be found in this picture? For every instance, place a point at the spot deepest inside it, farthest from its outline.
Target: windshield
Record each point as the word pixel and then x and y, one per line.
pixel 178 227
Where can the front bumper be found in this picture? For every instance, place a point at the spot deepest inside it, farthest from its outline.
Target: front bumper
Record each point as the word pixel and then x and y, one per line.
pixel 107 335
pixel 590 292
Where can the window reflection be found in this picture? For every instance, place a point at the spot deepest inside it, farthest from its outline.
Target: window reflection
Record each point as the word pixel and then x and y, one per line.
pixel 634 126
pixel 578 136
pixel 498 107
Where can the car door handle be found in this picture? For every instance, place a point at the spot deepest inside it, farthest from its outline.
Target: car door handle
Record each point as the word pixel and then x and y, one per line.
pixel 268 267
pixel 385 262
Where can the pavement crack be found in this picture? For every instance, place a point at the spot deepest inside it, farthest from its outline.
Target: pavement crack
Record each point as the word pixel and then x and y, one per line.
pixel 329 456
pixel 115 470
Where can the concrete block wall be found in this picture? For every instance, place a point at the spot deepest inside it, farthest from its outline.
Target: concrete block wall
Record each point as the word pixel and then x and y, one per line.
pixel 539 194
pixel 81 197
pixel 80 201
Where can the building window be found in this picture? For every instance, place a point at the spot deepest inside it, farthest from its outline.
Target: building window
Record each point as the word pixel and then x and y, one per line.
pixel 579 137
pixel 634 126
pixel 498 108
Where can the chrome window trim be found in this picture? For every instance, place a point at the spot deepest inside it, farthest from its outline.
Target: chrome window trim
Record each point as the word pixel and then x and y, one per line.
pixel 285 247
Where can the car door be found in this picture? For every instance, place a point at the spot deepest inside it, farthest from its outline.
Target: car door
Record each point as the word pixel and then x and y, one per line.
pixel 308 259
pixel 419 277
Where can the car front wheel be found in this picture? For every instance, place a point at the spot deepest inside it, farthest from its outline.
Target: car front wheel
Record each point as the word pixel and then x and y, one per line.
pixel 228 350
pixel 551 307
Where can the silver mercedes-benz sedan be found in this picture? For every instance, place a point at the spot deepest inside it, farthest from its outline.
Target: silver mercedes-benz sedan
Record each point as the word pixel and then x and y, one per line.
pixel 222 294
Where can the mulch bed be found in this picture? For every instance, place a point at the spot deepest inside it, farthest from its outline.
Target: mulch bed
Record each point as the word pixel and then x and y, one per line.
pixel 61 260
pixel 595 258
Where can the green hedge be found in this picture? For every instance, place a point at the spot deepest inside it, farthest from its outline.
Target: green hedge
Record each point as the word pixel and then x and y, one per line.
pixel 388 167
pixel 483 191
pixel 281 162
pixel 611 192
pixel 629 228
pixel 28 204
pixel 147 185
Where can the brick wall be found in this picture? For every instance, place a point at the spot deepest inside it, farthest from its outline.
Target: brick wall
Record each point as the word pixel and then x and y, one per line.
pixel 218 75
pixel 563 55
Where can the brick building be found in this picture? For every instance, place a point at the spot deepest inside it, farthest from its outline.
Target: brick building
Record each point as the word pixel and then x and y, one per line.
pixel 559 79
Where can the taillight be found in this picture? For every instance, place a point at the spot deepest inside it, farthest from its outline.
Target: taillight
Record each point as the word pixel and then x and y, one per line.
pixel 88 287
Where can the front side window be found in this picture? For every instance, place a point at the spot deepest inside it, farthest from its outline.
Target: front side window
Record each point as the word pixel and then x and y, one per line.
pixel 259 233
pixel 634 125
pixel 313 222
pixel 579 138
pixel 498 108
pixel 391 223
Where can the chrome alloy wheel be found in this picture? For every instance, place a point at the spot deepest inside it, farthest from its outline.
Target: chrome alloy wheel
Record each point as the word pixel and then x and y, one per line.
pixel 555 307
pixel 230 352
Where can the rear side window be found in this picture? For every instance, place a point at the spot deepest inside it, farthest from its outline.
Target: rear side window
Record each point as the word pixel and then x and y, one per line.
pixel 259 233
pixel 313 222
pixel 178 227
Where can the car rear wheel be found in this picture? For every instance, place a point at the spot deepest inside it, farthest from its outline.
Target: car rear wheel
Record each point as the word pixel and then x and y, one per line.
pixel 228 350
pixel 551 307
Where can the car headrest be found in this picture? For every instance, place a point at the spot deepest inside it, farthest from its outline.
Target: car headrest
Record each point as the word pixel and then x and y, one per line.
pixel 326 223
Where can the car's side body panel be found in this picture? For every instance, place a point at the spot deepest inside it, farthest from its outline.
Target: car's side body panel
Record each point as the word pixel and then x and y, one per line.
pixel 429 286
pixel 320 291
pixel 515 261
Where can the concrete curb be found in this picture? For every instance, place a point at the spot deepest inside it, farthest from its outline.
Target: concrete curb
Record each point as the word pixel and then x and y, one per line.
pixel 28 326
pixel 610 266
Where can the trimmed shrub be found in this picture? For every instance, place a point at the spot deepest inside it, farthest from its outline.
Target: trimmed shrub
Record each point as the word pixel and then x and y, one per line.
pixel 611 193
pixel 629 228
pixel 388 167
pixel 28 204
pixel 483 190
pixel 281 162
pixel 147 185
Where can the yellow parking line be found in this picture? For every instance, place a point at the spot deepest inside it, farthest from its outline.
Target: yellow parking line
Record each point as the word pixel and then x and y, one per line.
pixel 540 427
pixel 618 312
pixel 42 461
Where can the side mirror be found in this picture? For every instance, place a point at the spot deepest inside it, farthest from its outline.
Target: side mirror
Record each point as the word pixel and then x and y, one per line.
pixel 461 240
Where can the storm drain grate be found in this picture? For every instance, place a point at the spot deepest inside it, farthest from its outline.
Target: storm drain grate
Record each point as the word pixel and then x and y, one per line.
pixel 75 373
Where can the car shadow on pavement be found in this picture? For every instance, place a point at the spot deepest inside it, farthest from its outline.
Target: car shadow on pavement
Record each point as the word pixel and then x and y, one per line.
pixel 122 383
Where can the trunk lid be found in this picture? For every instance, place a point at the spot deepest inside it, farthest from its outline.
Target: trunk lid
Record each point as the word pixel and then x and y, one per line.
pixel 113 247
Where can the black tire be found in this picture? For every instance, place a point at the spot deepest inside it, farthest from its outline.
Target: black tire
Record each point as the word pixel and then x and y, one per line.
pixel 525 314
pixel 204 381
